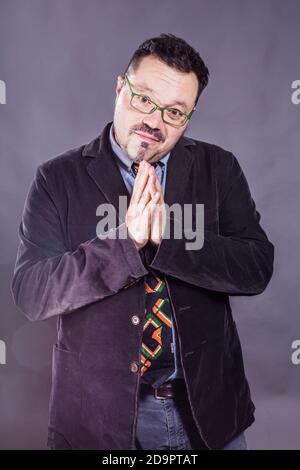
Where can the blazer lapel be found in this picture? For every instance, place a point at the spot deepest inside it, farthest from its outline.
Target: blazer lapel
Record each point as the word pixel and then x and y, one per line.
pixel 103 169
pixel 178 170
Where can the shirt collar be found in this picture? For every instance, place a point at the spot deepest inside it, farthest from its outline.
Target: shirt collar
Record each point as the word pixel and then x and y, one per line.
pixel 127 162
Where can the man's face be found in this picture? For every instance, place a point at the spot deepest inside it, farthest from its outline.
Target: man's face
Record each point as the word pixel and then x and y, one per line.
pixel 168 86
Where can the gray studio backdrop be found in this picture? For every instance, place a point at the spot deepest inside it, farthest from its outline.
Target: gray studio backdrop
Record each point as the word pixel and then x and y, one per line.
pixel 59 61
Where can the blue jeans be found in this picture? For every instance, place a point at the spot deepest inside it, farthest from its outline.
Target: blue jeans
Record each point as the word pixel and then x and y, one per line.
pixel 168 424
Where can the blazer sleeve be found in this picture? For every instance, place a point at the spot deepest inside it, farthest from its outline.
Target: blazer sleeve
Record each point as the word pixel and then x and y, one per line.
pixel 239 259
pixel 48 280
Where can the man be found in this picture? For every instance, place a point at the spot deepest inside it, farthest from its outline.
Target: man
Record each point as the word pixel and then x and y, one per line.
pixel 147 355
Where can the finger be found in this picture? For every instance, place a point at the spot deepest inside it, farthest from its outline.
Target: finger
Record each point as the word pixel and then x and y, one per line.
pixel 152 184
pixel 158 186
pixel 154 214
pixel 144 199
pixel 158 222
pixel 148 210
pixel 140 182
pixel 153 202
pixel 146 195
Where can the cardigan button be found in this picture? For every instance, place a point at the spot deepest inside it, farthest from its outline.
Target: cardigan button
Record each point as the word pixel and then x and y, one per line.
pixel 134 367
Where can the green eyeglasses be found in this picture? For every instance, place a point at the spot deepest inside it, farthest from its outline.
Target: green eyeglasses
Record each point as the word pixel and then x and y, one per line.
pixel 142 103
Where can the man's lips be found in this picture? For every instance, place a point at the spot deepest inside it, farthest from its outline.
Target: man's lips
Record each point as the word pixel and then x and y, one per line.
pixel 147 137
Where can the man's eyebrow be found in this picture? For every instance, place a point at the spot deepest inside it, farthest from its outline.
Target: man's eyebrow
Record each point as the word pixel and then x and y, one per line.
pixel 146 88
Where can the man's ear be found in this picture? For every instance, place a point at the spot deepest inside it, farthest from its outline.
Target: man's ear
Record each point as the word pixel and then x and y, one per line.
pixel 120 83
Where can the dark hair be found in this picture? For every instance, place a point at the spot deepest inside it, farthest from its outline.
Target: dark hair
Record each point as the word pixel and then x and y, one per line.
pixel 176 53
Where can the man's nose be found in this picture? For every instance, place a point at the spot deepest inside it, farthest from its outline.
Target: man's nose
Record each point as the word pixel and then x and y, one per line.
pixel 154 120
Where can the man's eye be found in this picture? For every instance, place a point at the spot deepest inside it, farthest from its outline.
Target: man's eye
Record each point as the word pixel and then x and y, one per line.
pixel 175 112
pixel 144 99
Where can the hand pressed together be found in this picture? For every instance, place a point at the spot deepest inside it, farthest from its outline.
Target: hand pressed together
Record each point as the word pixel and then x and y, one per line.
pixel 146 215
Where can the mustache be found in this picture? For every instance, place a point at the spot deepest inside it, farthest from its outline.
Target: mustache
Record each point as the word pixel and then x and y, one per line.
pixel 148 130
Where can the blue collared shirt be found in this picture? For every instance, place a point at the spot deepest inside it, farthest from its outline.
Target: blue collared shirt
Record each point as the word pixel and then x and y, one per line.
pixel 125 167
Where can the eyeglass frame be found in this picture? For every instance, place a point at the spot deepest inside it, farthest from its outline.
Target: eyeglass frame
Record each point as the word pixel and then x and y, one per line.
pixel 156 106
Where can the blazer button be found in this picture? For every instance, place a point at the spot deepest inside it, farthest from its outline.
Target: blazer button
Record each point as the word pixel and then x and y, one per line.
pixel 135 319
pixel 134 367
